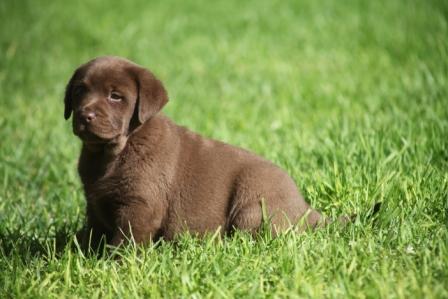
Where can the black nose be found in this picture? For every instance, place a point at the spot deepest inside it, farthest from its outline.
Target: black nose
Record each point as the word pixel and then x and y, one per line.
pixel 87 116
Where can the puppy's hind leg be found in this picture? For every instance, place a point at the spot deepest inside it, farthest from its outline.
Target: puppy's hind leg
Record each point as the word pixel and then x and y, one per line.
pixel 248 218
pixel 264 194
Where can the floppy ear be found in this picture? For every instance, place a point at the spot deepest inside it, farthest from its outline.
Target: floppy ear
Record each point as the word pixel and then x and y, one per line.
pixel 68 97
pixel 152 96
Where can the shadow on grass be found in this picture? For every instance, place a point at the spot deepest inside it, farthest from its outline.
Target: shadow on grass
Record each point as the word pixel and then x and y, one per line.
pixel 26 245
pixel 16 243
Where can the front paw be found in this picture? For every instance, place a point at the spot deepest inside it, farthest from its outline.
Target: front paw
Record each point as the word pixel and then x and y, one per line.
pixel 89 240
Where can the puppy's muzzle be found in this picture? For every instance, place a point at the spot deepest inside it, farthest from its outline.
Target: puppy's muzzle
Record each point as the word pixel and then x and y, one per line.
pixel 86 116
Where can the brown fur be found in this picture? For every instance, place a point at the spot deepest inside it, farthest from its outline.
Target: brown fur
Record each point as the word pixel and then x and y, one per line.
pixel 146 177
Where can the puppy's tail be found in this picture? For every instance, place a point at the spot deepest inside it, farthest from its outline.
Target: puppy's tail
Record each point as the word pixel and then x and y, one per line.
pixel 371 213
pixel 344 220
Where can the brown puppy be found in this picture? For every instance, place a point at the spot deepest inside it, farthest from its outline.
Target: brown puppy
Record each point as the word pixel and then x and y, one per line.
pixel 145 177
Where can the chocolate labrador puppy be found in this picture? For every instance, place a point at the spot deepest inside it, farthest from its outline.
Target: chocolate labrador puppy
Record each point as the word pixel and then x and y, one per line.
pixel 145 177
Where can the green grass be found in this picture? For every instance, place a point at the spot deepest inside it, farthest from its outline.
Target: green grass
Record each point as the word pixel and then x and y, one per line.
pixel 350 97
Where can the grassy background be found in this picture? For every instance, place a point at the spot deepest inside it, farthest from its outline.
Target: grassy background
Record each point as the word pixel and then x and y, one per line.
pixel 350 97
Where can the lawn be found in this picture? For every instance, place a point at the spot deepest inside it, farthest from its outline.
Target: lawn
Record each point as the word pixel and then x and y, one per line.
pixel 350 97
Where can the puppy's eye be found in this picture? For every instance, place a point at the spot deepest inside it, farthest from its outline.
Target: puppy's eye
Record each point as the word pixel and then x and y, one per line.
pixel 115 97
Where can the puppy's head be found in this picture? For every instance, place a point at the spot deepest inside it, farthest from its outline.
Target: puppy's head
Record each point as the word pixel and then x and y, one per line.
pixel 109 96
